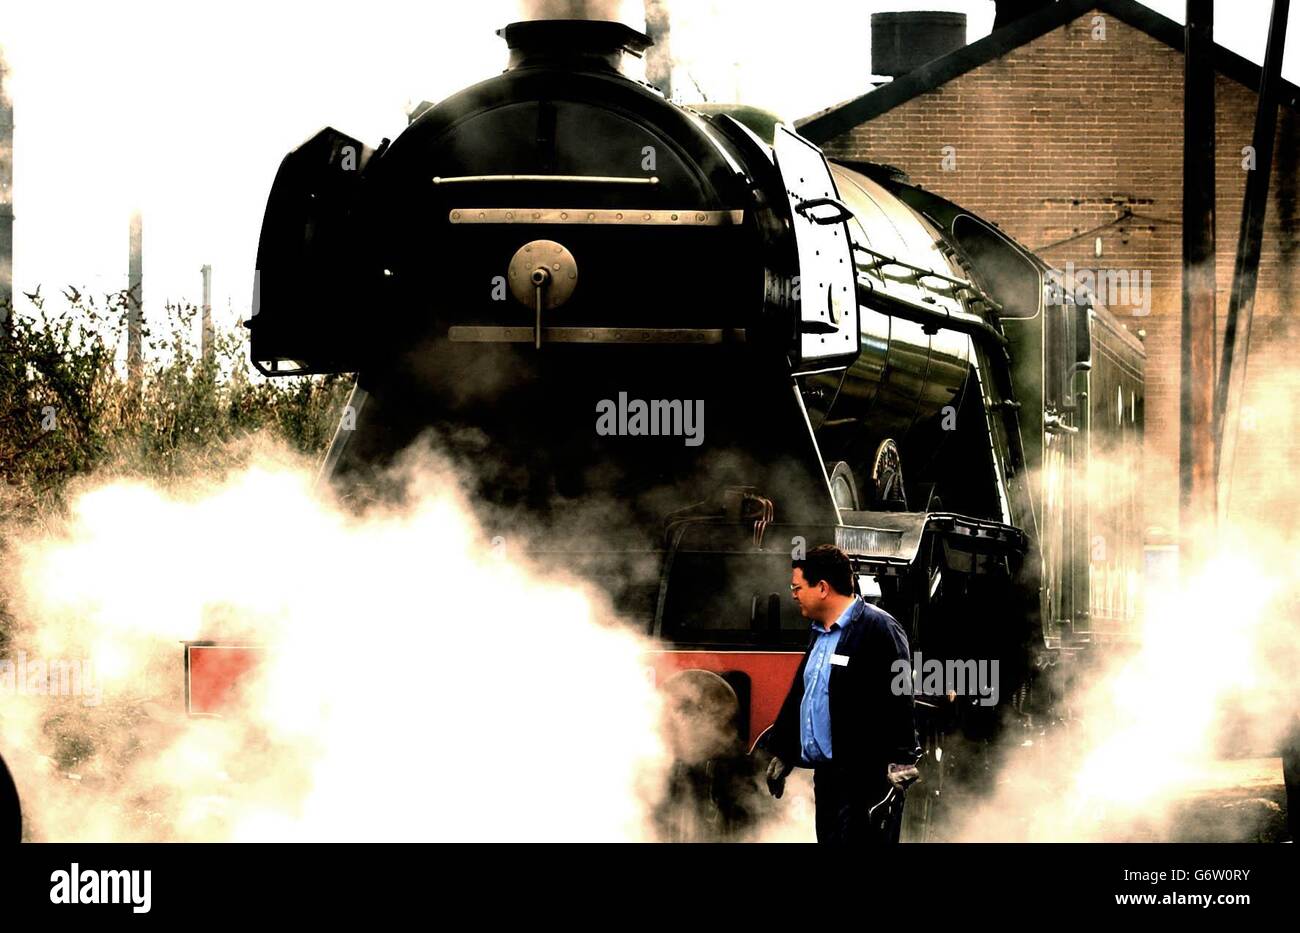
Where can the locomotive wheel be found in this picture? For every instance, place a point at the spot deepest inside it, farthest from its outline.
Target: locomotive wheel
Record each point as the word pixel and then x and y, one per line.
pixel 700 710
pixel 11 814
pixel 887 477
pixel 843 489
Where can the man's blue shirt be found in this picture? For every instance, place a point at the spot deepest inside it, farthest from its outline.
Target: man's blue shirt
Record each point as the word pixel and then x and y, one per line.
pixel 815 708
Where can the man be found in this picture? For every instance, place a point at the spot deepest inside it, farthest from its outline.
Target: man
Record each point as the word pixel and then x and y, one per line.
pixel 841 718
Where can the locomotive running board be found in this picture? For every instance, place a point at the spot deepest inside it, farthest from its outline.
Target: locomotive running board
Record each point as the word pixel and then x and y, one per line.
pixel 891 541
pixel 880 543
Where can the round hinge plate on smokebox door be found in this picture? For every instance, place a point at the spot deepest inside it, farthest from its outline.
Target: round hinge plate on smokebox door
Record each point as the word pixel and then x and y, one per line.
pixel 561 273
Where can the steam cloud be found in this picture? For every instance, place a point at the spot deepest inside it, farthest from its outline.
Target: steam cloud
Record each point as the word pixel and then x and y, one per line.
pixel 418 684
pixel 421 683
pixel 631 12
pixel 1172 736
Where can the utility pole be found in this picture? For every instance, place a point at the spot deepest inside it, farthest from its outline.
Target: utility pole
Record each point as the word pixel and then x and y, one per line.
pixel 1197 481
pixel 135 299
pixel 1241 306
pixel 6 199
pixel 206 333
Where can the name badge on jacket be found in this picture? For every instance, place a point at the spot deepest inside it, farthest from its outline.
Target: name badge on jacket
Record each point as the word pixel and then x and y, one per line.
pixel 840 660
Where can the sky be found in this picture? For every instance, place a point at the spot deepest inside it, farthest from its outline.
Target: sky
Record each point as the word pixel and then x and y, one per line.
pixel 184 110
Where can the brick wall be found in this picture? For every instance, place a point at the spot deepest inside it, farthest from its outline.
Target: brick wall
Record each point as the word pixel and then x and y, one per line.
pixel 1061 134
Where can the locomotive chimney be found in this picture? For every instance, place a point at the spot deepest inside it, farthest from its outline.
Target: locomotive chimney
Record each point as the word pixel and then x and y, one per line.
pixel 581 44
pixel 901 42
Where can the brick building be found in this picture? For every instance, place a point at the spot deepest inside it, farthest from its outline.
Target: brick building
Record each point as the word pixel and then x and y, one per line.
pixel 1065 128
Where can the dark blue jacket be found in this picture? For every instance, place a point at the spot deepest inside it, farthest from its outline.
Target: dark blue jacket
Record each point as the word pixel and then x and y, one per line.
pixel 871 725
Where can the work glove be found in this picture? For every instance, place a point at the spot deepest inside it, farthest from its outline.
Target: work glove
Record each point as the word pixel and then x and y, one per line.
pixel 776 772
pixel 902 776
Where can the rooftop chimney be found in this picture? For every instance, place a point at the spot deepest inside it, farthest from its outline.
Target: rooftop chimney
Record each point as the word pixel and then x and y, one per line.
pixel 902 41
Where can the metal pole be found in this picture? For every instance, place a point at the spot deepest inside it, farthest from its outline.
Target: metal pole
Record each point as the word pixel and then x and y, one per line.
pixel 134 298
pixel 1197 489
pixel 6 201
pixel 206 333
pixel 1245 278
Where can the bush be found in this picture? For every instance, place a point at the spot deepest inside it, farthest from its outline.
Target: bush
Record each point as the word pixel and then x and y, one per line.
pixel 68 408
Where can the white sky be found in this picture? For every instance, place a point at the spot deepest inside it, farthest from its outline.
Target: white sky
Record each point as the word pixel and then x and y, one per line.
pixel 185 109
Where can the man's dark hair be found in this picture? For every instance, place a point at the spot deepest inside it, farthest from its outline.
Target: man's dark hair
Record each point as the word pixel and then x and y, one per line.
pixel 829 563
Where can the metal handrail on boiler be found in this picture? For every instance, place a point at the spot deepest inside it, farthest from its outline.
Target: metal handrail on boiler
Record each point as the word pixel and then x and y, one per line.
pixel 930 318
pixel 881 259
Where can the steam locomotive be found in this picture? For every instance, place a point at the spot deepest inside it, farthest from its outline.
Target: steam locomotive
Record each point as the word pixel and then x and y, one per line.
pixel 868 364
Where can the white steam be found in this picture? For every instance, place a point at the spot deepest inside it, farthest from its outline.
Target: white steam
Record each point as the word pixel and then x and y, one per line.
pixel 418 684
